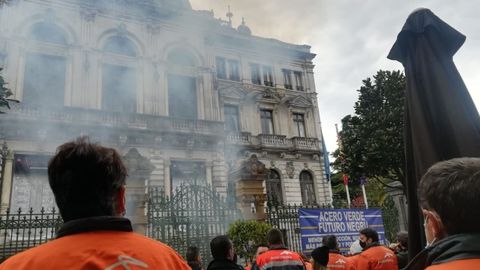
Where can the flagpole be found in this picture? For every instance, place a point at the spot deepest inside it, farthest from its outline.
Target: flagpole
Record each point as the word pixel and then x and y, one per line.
pixel 363 180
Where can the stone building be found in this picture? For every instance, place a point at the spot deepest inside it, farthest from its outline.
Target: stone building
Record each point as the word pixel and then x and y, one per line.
pixel 184 97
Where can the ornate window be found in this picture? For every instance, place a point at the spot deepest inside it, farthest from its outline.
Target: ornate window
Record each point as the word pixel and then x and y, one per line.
pixel 181 57
pixel 274 187
pixel 231 118
pixel 266 119
pixel 307 188
pixel 44 77
pixel 182 97
pixel 119 82
pixel 120 45
pixel 299 124
pixel 48 32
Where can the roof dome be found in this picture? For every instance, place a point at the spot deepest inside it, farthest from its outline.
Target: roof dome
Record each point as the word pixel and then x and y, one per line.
pixel 244 29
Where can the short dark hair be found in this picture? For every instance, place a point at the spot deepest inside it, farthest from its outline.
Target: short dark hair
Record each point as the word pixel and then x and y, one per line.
pixel 451 188
pixel 192 254
pixel 275 237
pixel 370 233
pixel 219 246
pixel 85 179
pixel 402 238
pixel 330 241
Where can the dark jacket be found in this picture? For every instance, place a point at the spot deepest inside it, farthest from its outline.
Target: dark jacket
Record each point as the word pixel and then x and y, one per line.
pixel 195 265
pixel 223 265
pixel 453 248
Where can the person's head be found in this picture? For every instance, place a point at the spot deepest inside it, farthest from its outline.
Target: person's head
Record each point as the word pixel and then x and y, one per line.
pixel 87 180
pixel 330 241
pixel 222 248
pixel 448 196
pixel 402 240
pixel 320 258
pixel 368 236
pixel 274 237
pixel 193 254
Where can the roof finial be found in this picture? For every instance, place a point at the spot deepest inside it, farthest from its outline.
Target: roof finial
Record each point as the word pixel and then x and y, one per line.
pixel 229 15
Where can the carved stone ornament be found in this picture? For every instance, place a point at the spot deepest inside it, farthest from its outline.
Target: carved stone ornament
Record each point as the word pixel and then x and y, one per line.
pixel 253 167
pixel 290 169
pixel 139 167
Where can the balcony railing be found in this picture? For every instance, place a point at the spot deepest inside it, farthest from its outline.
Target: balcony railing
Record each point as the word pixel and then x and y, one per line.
pixel 273 141
pixel 118 120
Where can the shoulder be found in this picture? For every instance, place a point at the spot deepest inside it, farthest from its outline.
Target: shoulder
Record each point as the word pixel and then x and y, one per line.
pixel 457 264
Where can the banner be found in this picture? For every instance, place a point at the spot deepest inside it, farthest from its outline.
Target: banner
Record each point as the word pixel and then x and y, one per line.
pixel 345 224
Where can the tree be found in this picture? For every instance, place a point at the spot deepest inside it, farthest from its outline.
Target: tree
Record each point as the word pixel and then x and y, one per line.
pixel 246 235
pixel 372 139
pixel 4 94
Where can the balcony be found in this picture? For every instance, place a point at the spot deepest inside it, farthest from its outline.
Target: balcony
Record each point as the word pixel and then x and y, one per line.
pixel 279 142
pixel 105 119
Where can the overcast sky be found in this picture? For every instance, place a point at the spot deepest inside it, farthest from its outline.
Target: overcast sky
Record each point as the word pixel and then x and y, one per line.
pixel 351 39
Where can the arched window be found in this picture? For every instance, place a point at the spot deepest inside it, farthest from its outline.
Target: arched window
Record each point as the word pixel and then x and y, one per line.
pixel 120 45
pixel 274 187
pixel 307 188
pixel 48 32
pixel 181 57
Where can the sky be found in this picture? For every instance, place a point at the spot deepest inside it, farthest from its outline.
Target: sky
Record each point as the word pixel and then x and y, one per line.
pixel 352 39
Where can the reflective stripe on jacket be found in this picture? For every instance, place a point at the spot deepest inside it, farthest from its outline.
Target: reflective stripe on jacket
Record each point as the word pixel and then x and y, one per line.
pixel 276 259
pixel 376 257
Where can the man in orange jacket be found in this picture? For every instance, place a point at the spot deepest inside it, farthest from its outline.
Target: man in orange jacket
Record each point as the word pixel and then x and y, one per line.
pixel 374 256
pixel 278 257
pixel 449 197
pixel 335 259
pixel 88 182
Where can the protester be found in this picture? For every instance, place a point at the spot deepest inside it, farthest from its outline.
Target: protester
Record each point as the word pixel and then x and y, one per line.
pixel 320 258
pixel 223 254
pixel 374 255
pixel 335 259
pixel 193 258
pixel 88 182
pixel 400 247
pixel 449 198
pixel 278 257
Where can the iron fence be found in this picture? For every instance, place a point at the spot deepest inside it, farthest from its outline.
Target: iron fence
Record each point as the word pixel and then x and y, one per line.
pixel 20 230
pixel 193 216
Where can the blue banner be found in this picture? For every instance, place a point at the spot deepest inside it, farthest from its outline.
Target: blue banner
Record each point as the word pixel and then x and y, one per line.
pixel 345 224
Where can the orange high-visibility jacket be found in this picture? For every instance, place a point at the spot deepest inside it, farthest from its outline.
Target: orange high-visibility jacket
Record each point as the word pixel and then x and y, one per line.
pixel 280 259
pixel 103 249
pixel 376 258
pixel 340 262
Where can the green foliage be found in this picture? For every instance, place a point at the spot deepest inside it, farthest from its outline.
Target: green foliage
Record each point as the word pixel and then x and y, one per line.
pixel 246 235
pixel 4 94
pixel 372 138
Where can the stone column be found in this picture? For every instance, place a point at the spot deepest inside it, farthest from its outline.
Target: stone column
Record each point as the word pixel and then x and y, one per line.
pixel 399 198
pixel 7 182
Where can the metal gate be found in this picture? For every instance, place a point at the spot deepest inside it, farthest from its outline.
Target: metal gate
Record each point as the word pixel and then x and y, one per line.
pixel 192 217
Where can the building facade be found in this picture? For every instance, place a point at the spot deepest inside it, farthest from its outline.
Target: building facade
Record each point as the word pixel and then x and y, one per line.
pixel 183 96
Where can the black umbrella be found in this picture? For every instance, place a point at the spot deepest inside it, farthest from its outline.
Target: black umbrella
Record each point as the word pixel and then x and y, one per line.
pixel 441 121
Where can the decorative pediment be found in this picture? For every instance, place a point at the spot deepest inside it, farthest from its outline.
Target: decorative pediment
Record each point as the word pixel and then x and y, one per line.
pixel 233 91
pixel 269 95
pixel 299 102
pixel 139 167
